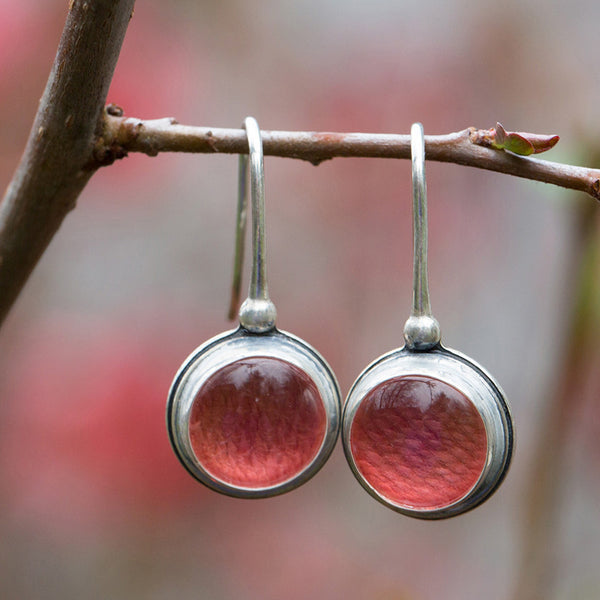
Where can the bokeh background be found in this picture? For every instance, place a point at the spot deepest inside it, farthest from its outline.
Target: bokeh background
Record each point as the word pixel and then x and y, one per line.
pixel 93 504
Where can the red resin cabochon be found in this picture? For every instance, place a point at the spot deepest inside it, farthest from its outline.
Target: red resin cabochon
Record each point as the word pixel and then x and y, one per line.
pixel 257 422
pixel 419 442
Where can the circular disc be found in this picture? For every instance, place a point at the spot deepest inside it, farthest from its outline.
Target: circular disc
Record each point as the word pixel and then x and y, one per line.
pixel 429 434
pixel 254 415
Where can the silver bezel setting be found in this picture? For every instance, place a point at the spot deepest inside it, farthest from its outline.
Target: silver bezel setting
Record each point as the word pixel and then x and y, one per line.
pixel 230 347
pixel 469 378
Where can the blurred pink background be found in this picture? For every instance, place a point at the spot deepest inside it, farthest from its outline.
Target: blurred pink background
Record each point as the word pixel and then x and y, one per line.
pixel 93 503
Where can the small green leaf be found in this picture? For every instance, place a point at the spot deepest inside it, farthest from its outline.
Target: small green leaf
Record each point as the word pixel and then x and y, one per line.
pixel 520 143
pixel 517 144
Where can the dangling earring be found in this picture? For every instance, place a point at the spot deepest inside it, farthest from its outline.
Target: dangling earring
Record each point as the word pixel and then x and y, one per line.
pixel 253 412
pixel 426 430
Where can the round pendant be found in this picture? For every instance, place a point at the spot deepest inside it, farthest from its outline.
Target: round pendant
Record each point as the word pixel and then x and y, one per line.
pixel 254 415
pixel 426 430
pixel 428 434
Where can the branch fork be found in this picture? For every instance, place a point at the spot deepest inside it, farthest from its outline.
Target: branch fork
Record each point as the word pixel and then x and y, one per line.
pixel 73 135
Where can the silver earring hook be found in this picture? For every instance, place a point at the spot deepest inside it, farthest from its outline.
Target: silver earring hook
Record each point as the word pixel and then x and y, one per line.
pixel 421 331
pixel 257 313
pixel 240 238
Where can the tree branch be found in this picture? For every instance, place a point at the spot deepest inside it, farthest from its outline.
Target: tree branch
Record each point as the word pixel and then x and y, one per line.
pixel 72 136
pixel 58 159
pixel 469 147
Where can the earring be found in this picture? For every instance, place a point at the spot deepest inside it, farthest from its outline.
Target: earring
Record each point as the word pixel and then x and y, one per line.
pixel 253 412
pixel 426 430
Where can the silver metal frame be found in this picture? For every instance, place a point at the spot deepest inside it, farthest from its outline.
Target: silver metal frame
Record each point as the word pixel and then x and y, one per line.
pixel 470 379
pixel 230 347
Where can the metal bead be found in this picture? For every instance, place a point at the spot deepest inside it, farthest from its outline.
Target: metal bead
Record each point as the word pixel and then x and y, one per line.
pixel 258 315
pixel 421 333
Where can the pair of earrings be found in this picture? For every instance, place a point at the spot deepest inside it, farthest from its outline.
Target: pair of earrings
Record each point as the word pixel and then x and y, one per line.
pixel 256 412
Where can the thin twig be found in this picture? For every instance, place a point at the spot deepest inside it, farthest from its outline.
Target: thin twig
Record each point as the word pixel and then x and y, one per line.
pixel 468 147
pixel 57 162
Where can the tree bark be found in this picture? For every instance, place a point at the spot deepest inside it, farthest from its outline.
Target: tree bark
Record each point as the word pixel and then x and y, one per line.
pixel 469 147
pixel 58 159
